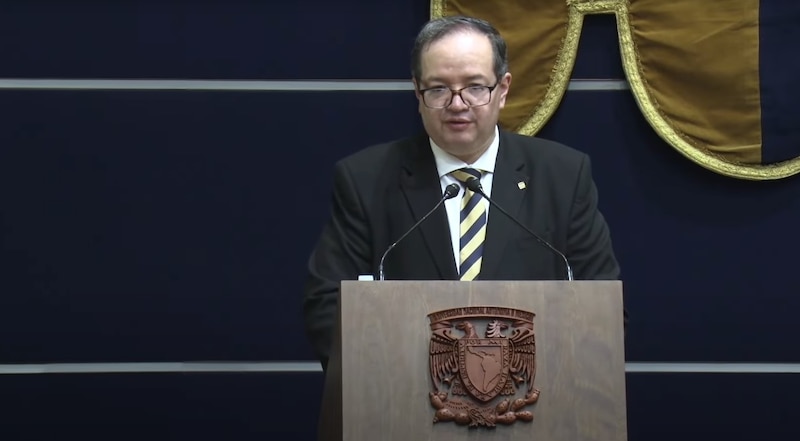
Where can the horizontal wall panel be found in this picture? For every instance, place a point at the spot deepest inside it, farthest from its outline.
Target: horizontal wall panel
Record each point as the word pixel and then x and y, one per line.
pixel 706 260
pixel 139 226
pixel 169 226
pixel 209 39
pixel 598 50
pixel 702 407
pixel 348 39
pixel 692 407
pixel 165 407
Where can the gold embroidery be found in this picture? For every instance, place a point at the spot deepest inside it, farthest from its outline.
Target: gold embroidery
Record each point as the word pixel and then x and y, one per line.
pixel 559 79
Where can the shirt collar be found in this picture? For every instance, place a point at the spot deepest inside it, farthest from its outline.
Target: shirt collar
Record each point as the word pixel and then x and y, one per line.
pixel 447 163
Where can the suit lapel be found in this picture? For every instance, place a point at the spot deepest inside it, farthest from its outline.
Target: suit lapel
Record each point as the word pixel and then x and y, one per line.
pixel 422 189
pixel 506 192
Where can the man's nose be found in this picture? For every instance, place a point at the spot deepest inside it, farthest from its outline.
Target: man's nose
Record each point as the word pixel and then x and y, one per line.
pixel 458 103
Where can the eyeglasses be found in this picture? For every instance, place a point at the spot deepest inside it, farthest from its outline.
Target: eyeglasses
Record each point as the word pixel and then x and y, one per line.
pixel 441 97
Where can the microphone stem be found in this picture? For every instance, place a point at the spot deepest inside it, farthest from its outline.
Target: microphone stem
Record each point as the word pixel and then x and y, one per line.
pixel 450 191
pixel 536 236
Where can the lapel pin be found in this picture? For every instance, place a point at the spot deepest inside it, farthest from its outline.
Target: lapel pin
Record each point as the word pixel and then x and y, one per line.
pixel 521 185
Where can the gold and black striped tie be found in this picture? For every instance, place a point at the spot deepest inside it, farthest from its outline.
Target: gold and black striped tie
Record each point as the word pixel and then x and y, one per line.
pixel 473 226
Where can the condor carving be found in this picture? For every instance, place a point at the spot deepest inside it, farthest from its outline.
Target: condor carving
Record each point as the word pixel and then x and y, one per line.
pixel 482 365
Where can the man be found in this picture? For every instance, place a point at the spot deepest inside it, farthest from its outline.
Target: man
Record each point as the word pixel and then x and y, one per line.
pixel 461 78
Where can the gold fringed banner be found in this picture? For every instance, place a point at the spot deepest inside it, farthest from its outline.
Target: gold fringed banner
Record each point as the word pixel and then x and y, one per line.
pixel 692 67
pixel 700 61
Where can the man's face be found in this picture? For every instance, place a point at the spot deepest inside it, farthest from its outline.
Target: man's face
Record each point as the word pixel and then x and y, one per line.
pixel 461 59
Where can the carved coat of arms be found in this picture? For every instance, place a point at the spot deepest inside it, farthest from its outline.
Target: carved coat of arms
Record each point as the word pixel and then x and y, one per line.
pixel 482 365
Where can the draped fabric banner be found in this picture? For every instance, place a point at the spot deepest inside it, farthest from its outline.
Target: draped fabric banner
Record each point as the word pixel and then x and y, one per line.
pixel 716 80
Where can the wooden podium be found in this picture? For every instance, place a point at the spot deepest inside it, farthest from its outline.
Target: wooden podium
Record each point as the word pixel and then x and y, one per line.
pixel 490 340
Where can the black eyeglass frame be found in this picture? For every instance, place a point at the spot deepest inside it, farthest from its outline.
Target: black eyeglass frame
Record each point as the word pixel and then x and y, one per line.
pixel 454 92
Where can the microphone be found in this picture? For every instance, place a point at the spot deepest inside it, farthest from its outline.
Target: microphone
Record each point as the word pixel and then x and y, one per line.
pixel 449 192
pixel 475 185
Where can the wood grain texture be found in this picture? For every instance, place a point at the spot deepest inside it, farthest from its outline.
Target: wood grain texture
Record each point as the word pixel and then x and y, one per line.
pixel 379 387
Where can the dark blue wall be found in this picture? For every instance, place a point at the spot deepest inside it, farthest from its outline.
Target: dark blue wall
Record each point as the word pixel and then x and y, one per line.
pixel 175 225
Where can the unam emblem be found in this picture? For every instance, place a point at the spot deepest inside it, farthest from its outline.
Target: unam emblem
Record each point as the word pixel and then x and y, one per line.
pixel 482 380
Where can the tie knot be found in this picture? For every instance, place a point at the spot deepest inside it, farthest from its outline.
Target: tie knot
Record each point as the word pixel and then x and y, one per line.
pixel 463 174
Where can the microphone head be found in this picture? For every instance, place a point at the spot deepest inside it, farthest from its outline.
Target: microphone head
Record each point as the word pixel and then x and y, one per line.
pixel 474 184
pixel 451 191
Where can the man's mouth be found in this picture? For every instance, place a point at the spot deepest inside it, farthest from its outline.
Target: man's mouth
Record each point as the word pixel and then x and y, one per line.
pixel 458 123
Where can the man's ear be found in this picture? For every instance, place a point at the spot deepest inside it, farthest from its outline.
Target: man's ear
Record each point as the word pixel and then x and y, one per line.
pixel 505 85
pixel 418 95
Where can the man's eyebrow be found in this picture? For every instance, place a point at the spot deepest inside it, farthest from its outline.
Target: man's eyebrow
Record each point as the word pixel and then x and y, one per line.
pixel 440 80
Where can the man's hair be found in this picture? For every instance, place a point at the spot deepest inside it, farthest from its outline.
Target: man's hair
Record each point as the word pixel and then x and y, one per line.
pixel 439 28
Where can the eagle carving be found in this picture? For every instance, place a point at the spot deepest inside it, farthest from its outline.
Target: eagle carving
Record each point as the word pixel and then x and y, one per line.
pixel 482 380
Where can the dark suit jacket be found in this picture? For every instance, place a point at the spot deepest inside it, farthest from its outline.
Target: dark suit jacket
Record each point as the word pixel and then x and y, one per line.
pixel 380 192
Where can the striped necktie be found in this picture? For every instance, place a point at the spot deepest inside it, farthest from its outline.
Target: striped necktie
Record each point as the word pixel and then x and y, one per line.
pixel 473 226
